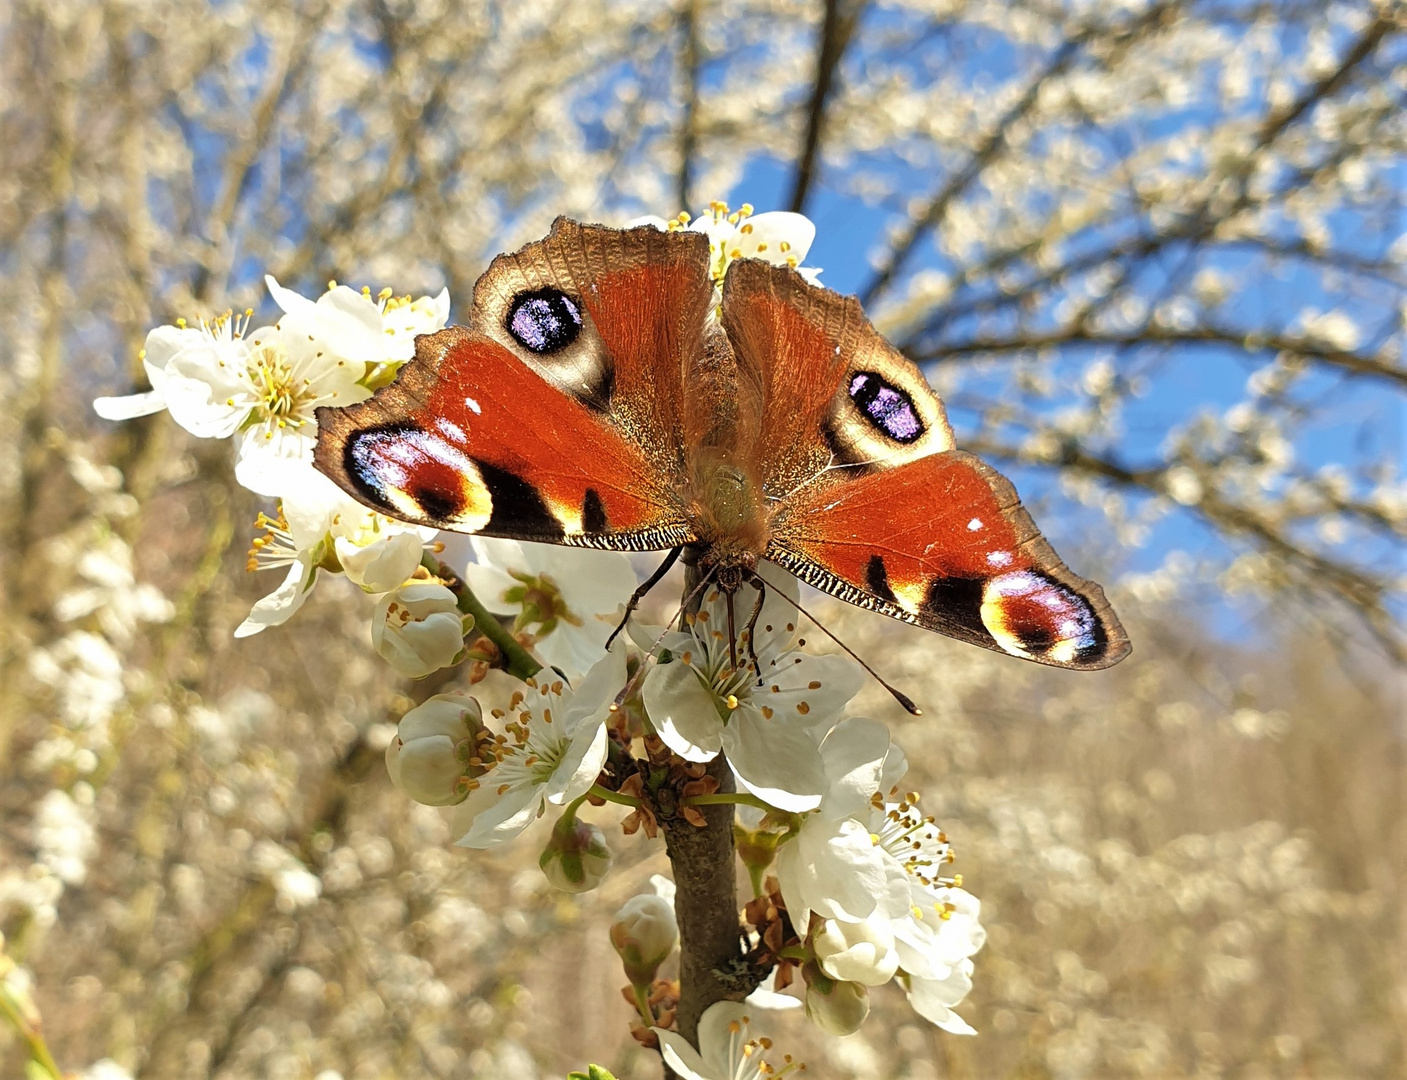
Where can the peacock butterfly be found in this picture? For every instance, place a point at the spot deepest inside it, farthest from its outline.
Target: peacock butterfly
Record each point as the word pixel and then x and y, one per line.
pixel 594 400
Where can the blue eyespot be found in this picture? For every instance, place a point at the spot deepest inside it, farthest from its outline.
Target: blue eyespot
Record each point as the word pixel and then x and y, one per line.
pixel 886 406
pixel 544 320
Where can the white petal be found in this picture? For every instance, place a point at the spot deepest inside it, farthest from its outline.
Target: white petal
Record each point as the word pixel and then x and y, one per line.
pixel 592 696
pixel 129 405
pixel 681 1057
pixel 271 467
pixel 767 996
pixel 592 581
pixel 716 1038
pixel 836 870
pixel 383 565
pixel 163 343
pixel 775 228
pixel 682 711
pixel 290 301
pixel 933 999
pixel 853 755
pixel 487 818
pixel 579 767
pixel 278 607
pixel 775 760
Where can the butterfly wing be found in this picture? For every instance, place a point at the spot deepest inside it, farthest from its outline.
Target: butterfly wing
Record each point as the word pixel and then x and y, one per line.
pixel 556 415
pixel 871 502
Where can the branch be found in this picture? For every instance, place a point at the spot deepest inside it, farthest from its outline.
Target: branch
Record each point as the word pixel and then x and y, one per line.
pixel 837 30
pixel 1378 367
pixel 990 148
pixel 688 136
pixel 706 897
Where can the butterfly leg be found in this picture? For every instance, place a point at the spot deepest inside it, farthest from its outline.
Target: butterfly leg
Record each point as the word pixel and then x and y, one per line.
pixel 751 628
pixel 639 594
pixel 732 633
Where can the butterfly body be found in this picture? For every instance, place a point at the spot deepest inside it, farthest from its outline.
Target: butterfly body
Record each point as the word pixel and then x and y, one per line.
pixel 601 396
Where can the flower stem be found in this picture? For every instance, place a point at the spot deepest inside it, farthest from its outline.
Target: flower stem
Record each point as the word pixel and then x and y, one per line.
pixel 520 663
pixel 720 798
pixel 642 1002
pixel 612 796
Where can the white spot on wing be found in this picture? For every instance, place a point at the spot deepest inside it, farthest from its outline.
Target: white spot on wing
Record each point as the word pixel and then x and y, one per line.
pixel 974 524
pixel 999 558
pixel 450 428
pixel 473 406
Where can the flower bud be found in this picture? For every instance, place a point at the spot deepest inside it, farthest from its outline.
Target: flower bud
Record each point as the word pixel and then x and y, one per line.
pixel 431 758
pixel 381 565
pixel 644 933
pixel 861 952
pixel 576 858
pixel 418 629
pixel 835 1006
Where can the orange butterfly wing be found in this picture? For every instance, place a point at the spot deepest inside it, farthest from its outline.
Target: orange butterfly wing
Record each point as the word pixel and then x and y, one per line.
pixel 557 414
pixel 870 501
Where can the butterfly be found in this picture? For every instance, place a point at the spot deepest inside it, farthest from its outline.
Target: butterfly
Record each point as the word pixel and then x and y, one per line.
pixel 601 396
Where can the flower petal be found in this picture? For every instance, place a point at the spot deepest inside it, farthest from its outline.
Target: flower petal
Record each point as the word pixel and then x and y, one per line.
pixel 129 406
pixel 682 711
pixel 775 760
pixel 278 607
pixel 933 999
pixel 681 1057
pixel 853 755
pixel 487 818
pixel 579 767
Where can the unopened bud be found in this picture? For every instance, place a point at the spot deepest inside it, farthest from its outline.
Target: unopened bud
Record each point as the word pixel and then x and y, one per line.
pixel 435 752
pixel 835 1006
pixel 576 858
pixel 861 952
pixel 644 933
pixel 419 629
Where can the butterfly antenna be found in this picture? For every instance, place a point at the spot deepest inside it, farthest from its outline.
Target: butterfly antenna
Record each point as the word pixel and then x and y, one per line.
pixel 898 695
pixel 659 641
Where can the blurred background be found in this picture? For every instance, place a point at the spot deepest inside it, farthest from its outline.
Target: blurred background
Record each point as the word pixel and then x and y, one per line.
pixel 1152 255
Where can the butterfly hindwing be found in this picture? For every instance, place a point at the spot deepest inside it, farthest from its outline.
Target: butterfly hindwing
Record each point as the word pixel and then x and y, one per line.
pixel 871 501
pixel 471 439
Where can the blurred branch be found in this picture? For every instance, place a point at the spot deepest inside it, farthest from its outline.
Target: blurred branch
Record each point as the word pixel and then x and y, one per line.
pixel 837 29
pixel 991 147
pixel 1378 367
pixel 690 59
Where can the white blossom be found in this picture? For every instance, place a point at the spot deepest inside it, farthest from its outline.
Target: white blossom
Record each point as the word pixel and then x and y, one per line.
pixel 832 865
pixel 418 628
pixel 779 237
pixel 768 719
pixel 569 598
pixel 861 952
pixel 729 1047
pixel 555 748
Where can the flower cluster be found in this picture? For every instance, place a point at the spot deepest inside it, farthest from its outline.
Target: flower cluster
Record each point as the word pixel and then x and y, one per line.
pixel 849 876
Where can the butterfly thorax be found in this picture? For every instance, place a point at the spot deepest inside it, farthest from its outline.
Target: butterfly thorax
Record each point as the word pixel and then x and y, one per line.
pixel 725 512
